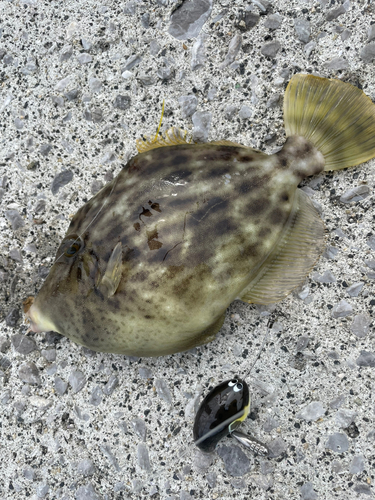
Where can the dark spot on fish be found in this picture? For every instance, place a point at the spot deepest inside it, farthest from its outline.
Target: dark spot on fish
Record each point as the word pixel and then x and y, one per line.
pixel 255 206
pixel 180 160
pixel 156 207
pixel 147 316
pixel 146 212
pixel 283 161
pixel 137 226
pixel 247 158
pixel 276 216
pixel 79 273
pixel 263 232
pixel 139 277
pixel 284 197
pixel 154 245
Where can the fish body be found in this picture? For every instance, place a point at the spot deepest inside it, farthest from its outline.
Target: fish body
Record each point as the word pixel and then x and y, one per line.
pixel 150 264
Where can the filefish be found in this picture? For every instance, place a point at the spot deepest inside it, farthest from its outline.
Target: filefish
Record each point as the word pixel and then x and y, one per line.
pixel 150 264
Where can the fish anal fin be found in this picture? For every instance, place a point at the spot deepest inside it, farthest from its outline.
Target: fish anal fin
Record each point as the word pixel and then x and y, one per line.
pixel 298 250
pixel 112 276
pixel 172 137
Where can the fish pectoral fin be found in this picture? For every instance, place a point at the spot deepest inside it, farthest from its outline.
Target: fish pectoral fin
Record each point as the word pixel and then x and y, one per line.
pixel 297 251
pixel 172 137
pixel 112 276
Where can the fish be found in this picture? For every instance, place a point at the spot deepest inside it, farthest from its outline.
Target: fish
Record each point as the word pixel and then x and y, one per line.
pixel 150 264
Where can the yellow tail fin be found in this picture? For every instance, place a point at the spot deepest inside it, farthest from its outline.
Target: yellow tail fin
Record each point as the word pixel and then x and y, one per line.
pixel 338 118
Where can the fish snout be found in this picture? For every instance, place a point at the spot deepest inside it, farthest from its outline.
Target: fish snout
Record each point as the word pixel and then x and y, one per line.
pixel 38 322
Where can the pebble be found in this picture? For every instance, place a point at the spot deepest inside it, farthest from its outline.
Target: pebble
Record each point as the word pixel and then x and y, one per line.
pixel 198 53
pixel 337 402
pixel 341 310
pixel 235 461
pixel 60 386
pixel 188 19
pixel 270 424
pixel 330 252
pixel 202 125
pixel 273 101
pixel 361 325
pixel 86 44
pixel 40 402
pixel 371 33
pixel 145 373
pixel 143 457
pixel 131 62
pixel 84 58
pixel 29 473
pixel 106 450
pixel 77 381
pixel 357 193
pixel 42 490
pixel 367 53
pixel 230 111
pixel 87 492
pixel 59 101
pixel 371 242
pixel 238 484
pixel 15 254
pixel 344 417
pixel 307 492
pixel 247 20
pixel 111 385
pixel 163 390
pixel 273 21
pixel 370 263
pixel 366 359
pixel 345 35
pixel 139 427
pixel 358 465
pixel 335 13
pixel 276 447
pixel 312 412
pixel 211 479
pixel 234 48
pixel 22 344
pixel 309 47
pixel 154 47
pixel 188 104
pixel 86 467
pixel 14 217
pixel 29 373
pixel 62 84
pixel 270 49
pixel 202 461
pixel 338 442
pixel 337 63
pixel 326 277
pixel 363 489
pixel 12 318
pixel 4 345
pixel 245 112
pixel 66 53
pixel 355 289
pixel 302 29
pixel 95 84
pixel 61 180
pixel 96 396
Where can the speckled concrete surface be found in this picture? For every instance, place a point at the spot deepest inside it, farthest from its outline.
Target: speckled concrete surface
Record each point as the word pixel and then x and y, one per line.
pixel 80 81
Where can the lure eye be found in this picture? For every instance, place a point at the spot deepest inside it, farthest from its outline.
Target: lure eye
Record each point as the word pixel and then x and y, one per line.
pixel 73 249
pixel 221 411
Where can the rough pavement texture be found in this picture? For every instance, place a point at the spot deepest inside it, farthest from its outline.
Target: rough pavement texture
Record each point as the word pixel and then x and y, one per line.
pixel 79 82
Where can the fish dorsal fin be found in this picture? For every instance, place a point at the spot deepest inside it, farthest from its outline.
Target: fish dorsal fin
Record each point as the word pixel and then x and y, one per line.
pixel 171 137
pixel 298 249
pixel 112 276
pixel 225 142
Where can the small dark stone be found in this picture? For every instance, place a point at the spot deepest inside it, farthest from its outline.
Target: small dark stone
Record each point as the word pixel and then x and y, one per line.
pixel 22 344
pixel 15 219
pixel 122 102
pixel 29 373
pixel 270 49
pixel 12 317
pixel 61 180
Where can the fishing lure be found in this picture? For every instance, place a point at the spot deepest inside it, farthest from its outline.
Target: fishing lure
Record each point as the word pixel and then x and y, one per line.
pixel 223 410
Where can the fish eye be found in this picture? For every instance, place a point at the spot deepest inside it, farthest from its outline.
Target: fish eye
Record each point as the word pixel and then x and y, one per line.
pixel 238 387
pixel 232 382
pixel 73 249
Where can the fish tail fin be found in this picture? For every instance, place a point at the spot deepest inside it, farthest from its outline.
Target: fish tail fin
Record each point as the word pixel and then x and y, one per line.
pixel 338 118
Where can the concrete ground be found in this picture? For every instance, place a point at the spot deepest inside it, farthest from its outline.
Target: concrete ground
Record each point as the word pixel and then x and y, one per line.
pixel 80 81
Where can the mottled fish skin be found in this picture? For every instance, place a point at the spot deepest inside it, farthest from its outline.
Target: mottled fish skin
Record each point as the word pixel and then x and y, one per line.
pixel 195 222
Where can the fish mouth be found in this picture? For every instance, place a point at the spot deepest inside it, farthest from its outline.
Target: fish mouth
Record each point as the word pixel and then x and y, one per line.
pixel 38 322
